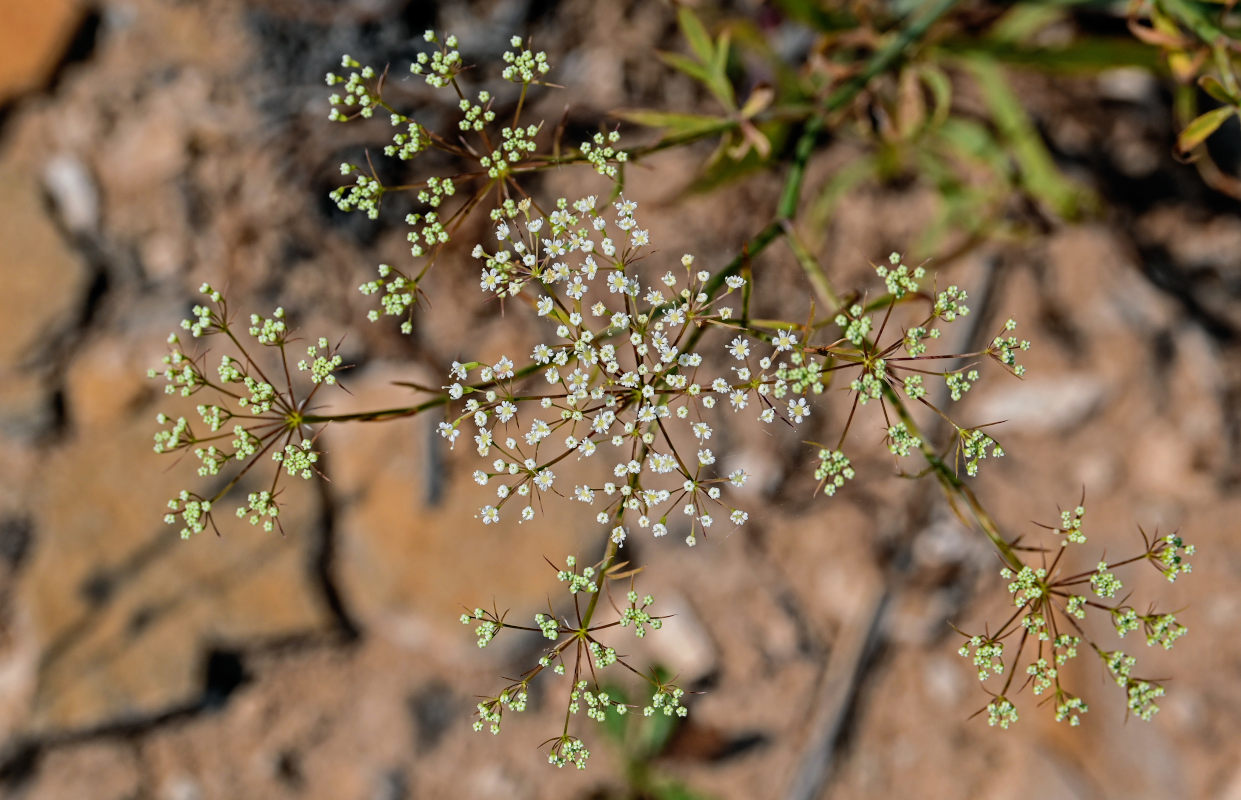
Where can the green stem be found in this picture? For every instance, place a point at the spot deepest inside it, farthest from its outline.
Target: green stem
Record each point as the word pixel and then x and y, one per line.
pixel 609 557
pixel 953 484
pixel 378 415
pixel 844 94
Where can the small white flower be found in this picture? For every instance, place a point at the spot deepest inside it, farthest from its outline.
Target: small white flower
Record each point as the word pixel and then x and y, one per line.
pixel 798 409
pixel 785 340
pixel 449 432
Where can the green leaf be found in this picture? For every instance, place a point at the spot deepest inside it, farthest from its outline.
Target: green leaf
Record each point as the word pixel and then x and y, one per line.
pixel 696 35
pixel 973 143
pixel 676 122
pixel 941 91
pixel 657 730
pixel 1215 89
pixel 690 67
pixel 1084 56
pixel 1039 175
pixel 720 85
pixel 719 59
pixel 1194 17
pixel 1023 21
pixel 614 725
pixel 759 99
pixel 816 16
pixel 677 791
pixel 1196 132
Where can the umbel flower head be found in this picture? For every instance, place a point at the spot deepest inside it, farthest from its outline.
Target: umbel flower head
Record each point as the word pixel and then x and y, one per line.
pixel 249 418
pixel 1049 625
pixel 614 380
pixel 641 366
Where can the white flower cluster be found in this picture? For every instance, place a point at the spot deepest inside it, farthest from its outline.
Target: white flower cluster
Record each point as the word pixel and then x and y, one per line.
pixel 621 383
pixel 323 361
pixel 524 65
pixel 438 69
pixel 358 98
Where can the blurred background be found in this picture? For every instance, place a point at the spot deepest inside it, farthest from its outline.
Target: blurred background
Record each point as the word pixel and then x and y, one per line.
pixel 147 146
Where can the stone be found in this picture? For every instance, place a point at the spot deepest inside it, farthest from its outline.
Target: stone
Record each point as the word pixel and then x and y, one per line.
pixel 74 192
pixel 409 567
pixel 124 611
pixel 42 280
pixel 42 287
pixel 101 770
pixel 104 382
pixel 32 40
pixel 1042 404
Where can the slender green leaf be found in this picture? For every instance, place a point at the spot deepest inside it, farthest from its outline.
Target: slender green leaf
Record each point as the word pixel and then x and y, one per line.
pixel 971 141
pixel 814 15
pixel 1022 21
pixel 614 725
pixel 687 65
pixel 1217 90
pixel 719 59
pixel 723 88
pixel 1196 132
pixel 1039 174
pixel 1194 17
pixel 759 99
pixel 941 91
pixel 676 122
pixel 1084 56
pixel 656 731
pixel 696 35
pixel 677 791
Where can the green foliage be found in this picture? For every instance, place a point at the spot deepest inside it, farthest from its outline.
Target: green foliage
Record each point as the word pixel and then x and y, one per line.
pixel 640 741
pixel 1199 43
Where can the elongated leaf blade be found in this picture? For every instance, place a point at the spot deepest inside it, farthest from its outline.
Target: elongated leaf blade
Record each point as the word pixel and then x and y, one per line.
pixel 696 35
pixel 1217 90
pixel 1039 173
pixel 1196 132
pixel 687 65
pixel 674 121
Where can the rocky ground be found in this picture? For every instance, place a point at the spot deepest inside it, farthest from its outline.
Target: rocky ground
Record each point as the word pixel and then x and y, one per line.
pixel 147 146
